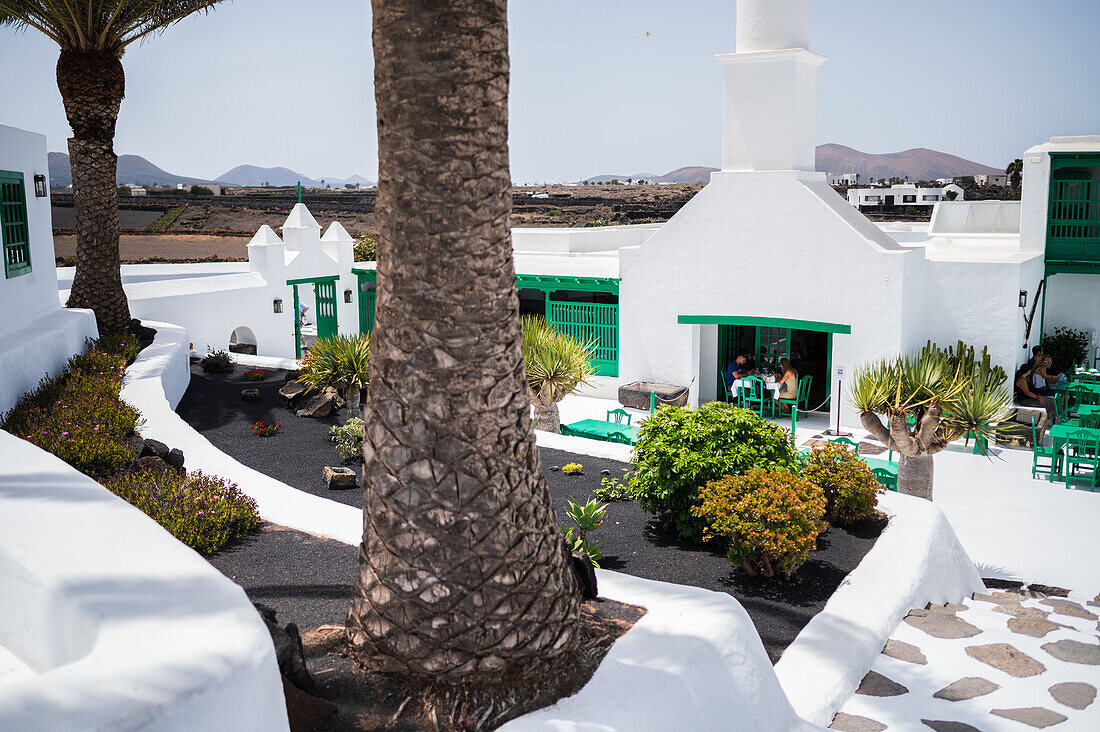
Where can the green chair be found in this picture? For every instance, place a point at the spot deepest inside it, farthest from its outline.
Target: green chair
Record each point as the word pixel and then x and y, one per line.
pixel 755 396
pixel 845 441
pixel 618 415
pixel 886 478
pixel 1090 421
pixel 1083 451
pixel 620 438
pixel 729 395
pixel 802 398
pixel 1039 452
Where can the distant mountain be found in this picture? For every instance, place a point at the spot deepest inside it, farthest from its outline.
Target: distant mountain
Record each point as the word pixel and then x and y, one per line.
pixel 252 175
pixel 918 164
pixel 132 170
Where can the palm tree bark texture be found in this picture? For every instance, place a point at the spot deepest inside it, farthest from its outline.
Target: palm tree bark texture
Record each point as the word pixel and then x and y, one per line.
pixel 916 448
pixel 462 571
pixel 92 86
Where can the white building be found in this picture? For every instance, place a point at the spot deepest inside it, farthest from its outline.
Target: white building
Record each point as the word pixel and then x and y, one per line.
pixel 215 188
pixel 843 179
pixel 37 336
pixel 904 194
pixel 991 179
pixel 137 191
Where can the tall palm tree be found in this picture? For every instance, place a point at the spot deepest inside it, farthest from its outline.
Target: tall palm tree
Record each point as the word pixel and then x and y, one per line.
pixel 930 398
pixel 93 35
pixel 557 365
pixel 462 570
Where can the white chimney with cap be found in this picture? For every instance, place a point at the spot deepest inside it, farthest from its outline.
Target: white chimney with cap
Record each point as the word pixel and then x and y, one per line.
pixel 769 110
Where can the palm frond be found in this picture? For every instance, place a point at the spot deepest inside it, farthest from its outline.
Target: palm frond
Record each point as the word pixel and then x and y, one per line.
pixel 109 25
pixel 341 362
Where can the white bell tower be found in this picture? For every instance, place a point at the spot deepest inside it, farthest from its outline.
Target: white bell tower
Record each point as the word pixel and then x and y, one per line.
pixel 769 110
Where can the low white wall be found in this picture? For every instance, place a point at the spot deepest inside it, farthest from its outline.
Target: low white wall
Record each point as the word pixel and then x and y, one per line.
pixel 40 348
pixel 153 386
pixel 124 627
pixel 917 560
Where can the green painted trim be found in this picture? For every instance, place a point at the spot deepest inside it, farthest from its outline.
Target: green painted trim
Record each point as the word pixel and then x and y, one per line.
pixel 365 273
pixel 297 326
pixel 1054 267
pixel 764 322
pixel 313 280
pixel 549 283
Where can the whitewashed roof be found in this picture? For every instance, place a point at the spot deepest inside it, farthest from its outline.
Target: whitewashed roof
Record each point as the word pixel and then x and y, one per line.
pixel 336 232
pixel 300 218
pixel 264 236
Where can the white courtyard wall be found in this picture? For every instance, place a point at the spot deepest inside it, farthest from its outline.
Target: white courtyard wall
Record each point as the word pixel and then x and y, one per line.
pixel 1034 200
pixel 37 336
pixel 1073 301
pixel 776 245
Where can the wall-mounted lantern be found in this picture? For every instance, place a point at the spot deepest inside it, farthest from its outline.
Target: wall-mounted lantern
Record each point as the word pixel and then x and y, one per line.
pixel 347 295
pixel 277 305
pixel 40 190
pixel 1023 298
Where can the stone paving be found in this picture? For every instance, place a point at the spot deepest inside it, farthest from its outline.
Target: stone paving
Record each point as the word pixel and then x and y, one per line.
pixel 1009 659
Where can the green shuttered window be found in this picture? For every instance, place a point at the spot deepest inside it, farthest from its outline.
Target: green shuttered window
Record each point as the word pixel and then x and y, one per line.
pixel 13 224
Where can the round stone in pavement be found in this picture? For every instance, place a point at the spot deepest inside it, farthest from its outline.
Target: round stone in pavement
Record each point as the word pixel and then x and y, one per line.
pixel 1034 627
pixel 1033 716
pixel 941 625
pixel 853 723
pixel 970 687
pixel 943 725
pixel 1073 694
pixel 1073 651
pixel 1007 658
pixel 875 684
pixel 904 652
pixel 1068 607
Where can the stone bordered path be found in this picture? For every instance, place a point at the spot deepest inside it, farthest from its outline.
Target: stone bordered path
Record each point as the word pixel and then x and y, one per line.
pixel 1010 659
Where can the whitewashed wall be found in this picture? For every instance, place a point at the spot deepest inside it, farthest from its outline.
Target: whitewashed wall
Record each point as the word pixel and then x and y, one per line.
pixel 1073 300
pixel 778 245
pixel 37 336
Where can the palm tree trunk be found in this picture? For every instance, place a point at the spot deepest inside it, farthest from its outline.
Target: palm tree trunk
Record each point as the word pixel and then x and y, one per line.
pixel 548 419
pixel 915 475
pixel 462 570
pixel 92 85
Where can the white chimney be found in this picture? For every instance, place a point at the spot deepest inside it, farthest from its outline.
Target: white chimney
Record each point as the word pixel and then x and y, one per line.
pixel 769 110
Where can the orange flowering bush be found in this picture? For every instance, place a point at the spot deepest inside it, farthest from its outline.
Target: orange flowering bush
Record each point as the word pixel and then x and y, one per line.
pixel 850 488
pixel 771 519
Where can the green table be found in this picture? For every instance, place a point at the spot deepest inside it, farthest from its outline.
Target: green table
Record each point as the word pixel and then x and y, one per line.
pixel 1087 377
pixel 1059 433
pixel 598 429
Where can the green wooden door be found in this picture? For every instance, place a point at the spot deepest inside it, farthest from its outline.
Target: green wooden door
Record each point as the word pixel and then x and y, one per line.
pixel 325 294
pixel 367 300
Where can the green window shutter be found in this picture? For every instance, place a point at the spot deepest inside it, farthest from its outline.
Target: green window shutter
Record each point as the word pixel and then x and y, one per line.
pixel 1073 226
pixel 586 322
pixel 13 224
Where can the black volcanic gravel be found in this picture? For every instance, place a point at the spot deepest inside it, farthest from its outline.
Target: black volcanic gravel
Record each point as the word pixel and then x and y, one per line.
pixel 632 541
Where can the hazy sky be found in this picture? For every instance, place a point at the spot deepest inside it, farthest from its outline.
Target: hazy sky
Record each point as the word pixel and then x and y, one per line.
pixel 287 82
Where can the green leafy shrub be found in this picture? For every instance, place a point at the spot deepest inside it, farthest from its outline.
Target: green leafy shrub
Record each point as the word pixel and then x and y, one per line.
pixel 680 450
pixel 613 488
pixel 771 519
pixel 1067 348
pixel 201 191
pixel 204 512
pixel 365 248
pixel 850 488
pixel 342 362
pixel 586 519
pixel 217 362
pixel 348 438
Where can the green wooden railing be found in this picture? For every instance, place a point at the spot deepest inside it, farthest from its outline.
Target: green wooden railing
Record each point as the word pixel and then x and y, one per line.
pixel 586 322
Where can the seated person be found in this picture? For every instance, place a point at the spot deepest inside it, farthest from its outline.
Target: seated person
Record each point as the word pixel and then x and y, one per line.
pixel 739 368
pixel 788 381
pixel 1036 357
pixel 1025 396
pixel 1042 381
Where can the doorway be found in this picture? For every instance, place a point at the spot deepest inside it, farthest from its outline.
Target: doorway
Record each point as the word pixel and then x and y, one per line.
pixel 322 322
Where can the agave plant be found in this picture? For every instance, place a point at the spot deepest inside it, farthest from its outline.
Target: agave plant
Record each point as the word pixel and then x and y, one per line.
pixel 557 365
pixel 929 399
pixel 342 362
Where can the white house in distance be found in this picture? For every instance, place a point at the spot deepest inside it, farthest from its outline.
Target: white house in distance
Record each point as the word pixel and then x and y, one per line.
pixel 904 194
pixel 991 179
pixel 844 179
pixel 37 336
pixel 767 259
pixel 215 188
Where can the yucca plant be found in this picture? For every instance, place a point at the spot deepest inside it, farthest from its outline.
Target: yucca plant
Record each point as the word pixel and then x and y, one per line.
pixel 342 362
pixel 93 35
pixel 557 365
pixel 930 398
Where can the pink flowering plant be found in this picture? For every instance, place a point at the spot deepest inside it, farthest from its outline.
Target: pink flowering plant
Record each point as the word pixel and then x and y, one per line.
pixel 255 375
